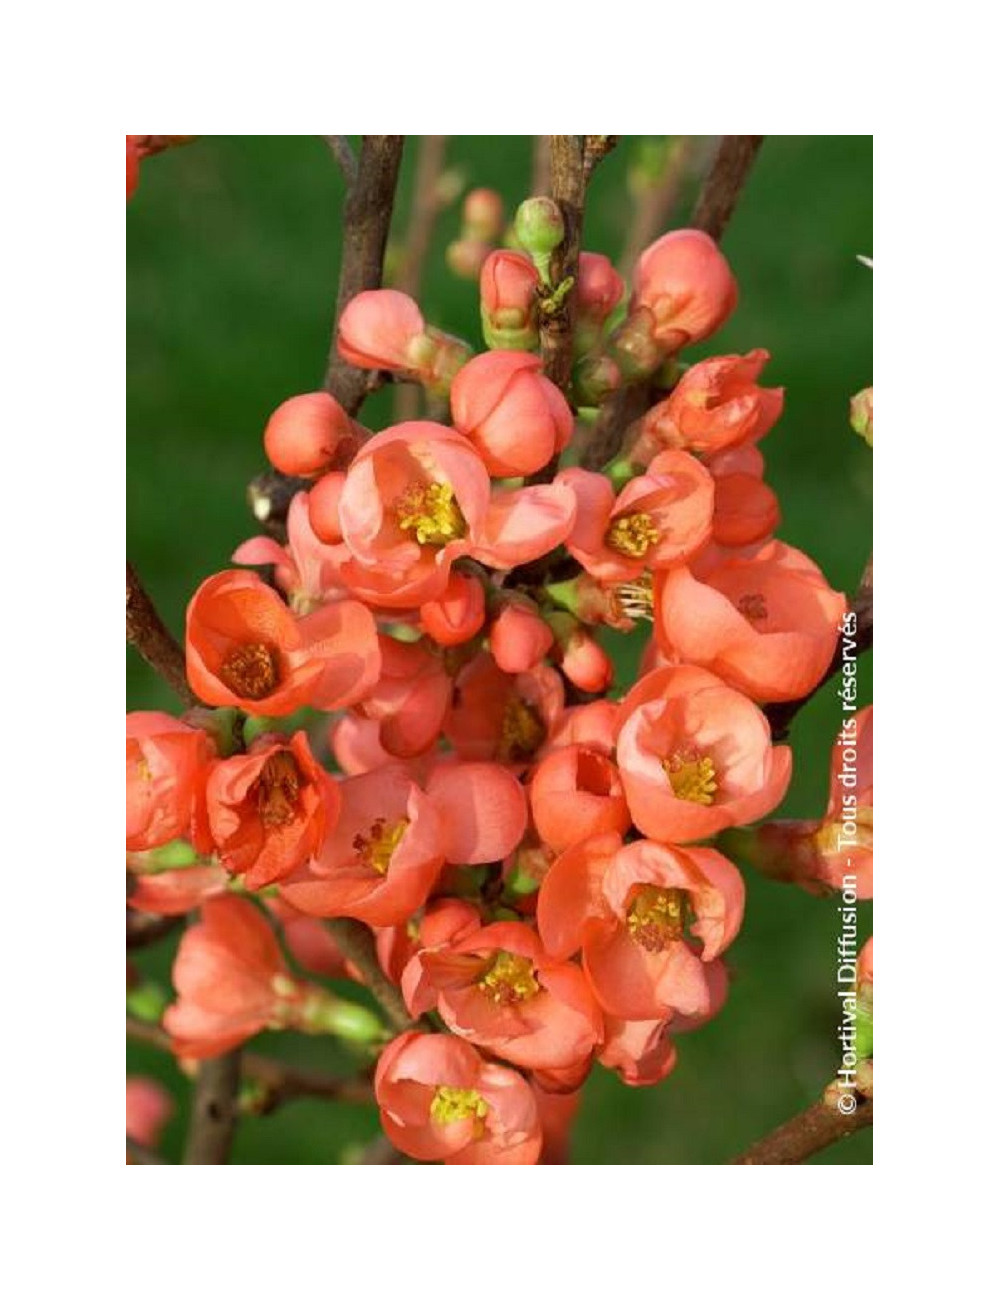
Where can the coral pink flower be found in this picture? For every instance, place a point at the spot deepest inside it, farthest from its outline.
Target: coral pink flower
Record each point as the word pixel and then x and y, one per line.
pixel 508 301
pixel 519 638
pixel 269 809
pixel 640 1051
pixel 166 763
pixel 324 507
pixel 498 988
pixel 557 1111
pixel 630 910
pixel 717 404
pixel 746 509
pixel 309 434
pixel 584 662
pixel 497 716
pixel 439 1100
pixel 148 1107
pixel 594 725
pixel 246 648
pixel 418 496
pixel 410 698
pixel 382 329
pixel 173 893
pixel 310 942
pixel 575 792
pixel 659 519
pixel 599 287
pixel 514 416
pixel 307 569
pixel 458 613
pixel 686 285
pixel 354 743
pixel 766 621
pixel 231 981
pixel 695 756
pixel 383 857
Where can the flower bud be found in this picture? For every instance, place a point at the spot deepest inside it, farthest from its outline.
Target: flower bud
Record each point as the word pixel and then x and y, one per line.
pixel 583 661
pixel 443 363
pixel 465 257
pixel 323 504
pixel 307 433
pixel 519 638
pixel 513 415
pixel 322 1013
pixel 508 301
pixel 458 613
pixel 599 287
pixel 482 215
pixel 382 329
pixel 539 227
pixel 685 283
pixel 862 414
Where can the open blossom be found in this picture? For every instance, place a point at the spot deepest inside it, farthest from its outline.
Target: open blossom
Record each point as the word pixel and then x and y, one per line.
pixel 498 988
pixel 308 434
pixel 269 809
pixel 648 919
pixel 231 981
pixel 439 1100
pixel 716 404
pixel 746 509
pixel 508 301
pixel 381 860
pixel 576 792
pixel 685 284
pixel 695 756
pixel 504 717
pixel 659 519
pixel 765 620
pixel 245 648
pixel 417 497
pixel 166 764
pixel 307 569
pixel 410 698
pixel 514 416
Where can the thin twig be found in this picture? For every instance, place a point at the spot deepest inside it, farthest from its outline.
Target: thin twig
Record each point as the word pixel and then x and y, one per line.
pixel 811 1131
pixel 724 183
pixel 357 945
pixel 367 215
pixel 149 634
pixel 347 160
pixel 541 166
pixel 596 147
pixel 214 1111
pixel 568 189
pixel 781 716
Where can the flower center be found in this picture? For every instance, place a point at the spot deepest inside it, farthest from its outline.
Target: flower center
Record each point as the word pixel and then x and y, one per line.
pixel 752 606
pixel 277 789
pixel 431 513
pixel 451 1104
pixel 377 847
pixel 632 535
pixel 521 731
pixel 509 979
pixel 656 916
pixel 635 599
pixel 251 670
pixel 692 778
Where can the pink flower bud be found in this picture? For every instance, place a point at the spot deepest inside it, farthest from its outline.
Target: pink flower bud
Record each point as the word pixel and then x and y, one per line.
pixel 686 283
pixel 465 257
pixel 382 329
pixel 324 507
pixel 519 638
pixel 508 301
pixel 307 433
pixel 599 287
pixel 458 613
pixel 586 664
pixel 482 215
pixel 514 417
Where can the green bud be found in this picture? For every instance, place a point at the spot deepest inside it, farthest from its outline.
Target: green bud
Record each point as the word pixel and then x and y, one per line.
pixel 595 378
pixel 862 414
pixel 564 594
pixel 322 1013
pixel 620 472
pixel 171 857
pixel 538 224
pixel 147 1002
pixel 521 336
pixel 634 348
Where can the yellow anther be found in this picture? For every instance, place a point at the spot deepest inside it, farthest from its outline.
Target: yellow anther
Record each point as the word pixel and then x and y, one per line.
pixel 250 670
pixel 521 731
pixel 452 1104
pixel 632 535
pixel 377 847
pixel 431 513
pixel 656 917
pixel 509 979
pixel 752 606
pixel 692 779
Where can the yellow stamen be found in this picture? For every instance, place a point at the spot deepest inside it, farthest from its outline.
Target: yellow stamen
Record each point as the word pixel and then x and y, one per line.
pixel 509 979
pixel 635 599
pixel 377 847
pixel 692 778
pixel 521 731
pixel 752 606
pixel 250 671
pixel 277 789
pixel 632 535
pixel 656 917
pixel 451 1104
pixel 142 770
pixel 431 513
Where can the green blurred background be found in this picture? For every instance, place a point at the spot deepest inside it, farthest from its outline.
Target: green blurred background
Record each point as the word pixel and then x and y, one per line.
pixel 233 248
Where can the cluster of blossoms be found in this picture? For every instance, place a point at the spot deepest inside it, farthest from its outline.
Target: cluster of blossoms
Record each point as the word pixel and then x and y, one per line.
pixel 534 851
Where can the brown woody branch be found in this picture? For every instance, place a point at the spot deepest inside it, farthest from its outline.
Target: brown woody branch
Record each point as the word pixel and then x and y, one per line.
pixel 214 1111
pixel 724 183
pixel 149 634
pixel 811 1131
pixel 781 716
pixel 596 147
pixel 357 944
pixel 541 165
pixel 367 215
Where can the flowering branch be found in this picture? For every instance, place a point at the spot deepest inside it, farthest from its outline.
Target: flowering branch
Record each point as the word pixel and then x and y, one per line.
pixel 367 214
pixel 724 183
pixel 805 1134
pixel 781 716
pixel 149 634
pixel 214 1111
